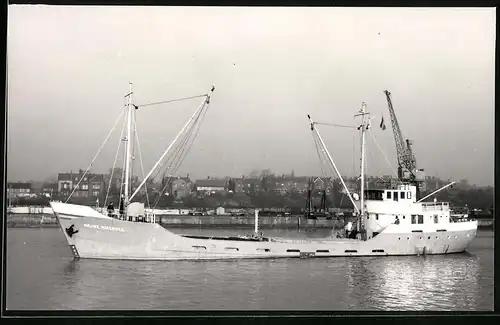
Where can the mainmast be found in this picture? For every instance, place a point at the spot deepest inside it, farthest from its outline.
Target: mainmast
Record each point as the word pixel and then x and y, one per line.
pixel 127 152
pixel 365 124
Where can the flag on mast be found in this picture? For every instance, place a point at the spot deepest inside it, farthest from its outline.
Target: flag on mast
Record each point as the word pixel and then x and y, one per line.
pixel 382 124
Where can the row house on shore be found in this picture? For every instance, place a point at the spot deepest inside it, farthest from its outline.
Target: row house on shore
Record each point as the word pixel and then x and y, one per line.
pixel 89 185
pixel 49 189
pixel 19 189
pixel 210 186
pixel 178 187
pixel 243 185
pixel 286 185
pixel 30 189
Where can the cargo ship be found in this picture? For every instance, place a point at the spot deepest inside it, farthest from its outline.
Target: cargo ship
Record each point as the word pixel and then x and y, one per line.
pixel 390 222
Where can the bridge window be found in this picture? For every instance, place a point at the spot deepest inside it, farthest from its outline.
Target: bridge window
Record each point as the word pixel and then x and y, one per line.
pixel 389 194
pixel 408 195
pixel 375 195
pixel 420 219
pixel 376 216
pixel 395 197
pixel 436 218
pixel 402 195
pixel 413 219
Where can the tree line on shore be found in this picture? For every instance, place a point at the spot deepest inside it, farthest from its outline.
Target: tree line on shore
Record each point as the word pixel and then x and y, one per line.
pixel 473 198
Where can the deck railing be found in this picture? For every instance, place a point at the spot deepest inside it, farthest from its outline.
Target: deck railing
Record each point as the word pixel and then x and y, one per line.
pixel 436 206
pixel 148 216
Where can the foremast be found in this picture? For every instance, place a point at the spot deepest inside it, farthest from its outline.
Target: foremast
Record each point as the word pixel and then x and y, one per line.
pixel 127 150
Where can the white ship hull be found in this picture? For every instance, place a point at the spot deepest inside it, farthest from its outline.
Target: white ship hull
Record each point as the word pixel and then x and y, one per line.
pixel 102 237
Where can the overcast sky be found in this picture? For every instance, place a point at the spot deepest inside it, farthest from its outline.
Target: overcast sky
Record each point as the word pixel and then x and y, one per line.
pixel 69 68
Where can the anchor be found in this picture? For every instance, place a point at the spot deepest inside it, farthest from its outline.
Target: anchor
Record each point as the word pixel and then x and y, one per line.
pixel 71 231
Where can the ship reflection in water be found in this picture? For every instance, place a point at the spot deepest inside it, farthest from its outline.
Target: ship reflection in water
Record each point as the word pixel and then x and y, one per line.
pixel 42 275
pixel 410 283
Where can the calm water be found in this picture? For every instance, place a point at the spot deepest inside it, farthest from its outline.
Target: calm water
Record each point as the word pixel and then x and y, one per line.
pixel 41 274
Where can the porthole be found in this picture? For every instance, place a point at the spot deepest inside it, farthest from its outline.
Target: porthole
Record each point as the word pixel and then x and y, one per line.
pixel 429 237
pixel 399 238
pixel 407 238
pixel 420 237
pixel 449 237
pixel 437 237
pixel 404 217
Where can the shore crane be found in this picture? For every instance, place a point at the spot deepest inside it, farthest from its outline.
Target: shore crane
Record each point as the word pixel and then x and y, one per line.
pixel 407 164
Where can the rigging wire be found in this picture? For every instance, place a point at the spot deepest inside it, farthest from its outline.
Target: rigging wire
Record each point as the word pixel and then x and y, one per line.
pixel 165 180
pixel 318 152
pixel 181 150
pixel 178 145
pixel 322 162
pixel 133 116
pixel 122 183
pixel 170 159
pixel 366 165
pixel 332 169
pixel 170 101
pixel 95 157
pixel 190 133
pixel 114 164
pixel 336 125
pixel 383 154
pixel 325 157
pixel 194 138
pixel 124 162
pixel 140 159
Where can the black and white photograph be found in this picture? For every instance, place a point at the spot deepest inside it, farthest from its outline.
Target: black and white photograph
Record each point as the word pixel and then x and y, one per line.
pixel 210 158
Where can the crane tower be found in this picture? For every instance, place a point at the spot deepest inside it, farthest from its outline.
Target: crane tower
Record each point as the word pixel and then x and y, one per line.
pixel 407 164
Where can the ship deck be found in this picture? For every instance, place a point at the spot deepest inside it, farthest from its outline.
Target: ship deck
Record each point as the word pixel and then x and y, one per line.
pixel 276 240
